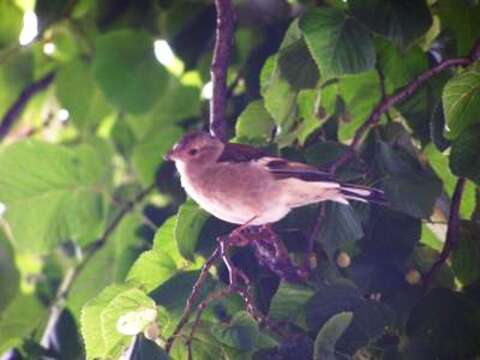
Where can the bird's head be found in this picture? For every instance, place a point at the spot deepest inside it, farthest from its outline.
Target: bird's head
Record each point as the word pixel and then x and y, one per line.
pixel 199 147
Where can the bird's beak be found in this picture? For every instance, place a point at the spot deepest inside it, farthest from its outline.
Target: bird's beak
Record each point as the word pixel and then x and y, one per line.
pixel 170 156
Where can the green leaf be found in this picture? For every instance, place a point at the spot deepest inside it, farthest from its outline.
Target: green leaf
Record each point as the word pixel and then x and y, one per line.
pixel 240 333
pixel 400 66
pixel 360 93
pixel 126 70
pixel 461 101
pixel 152 269
pixel 340 225
pixel 339 44
pixel 63 184
pixel 310 110
pixel 190 221
pixel 409 186
pixel 297 66
pixel 9 275
pixel 19 319
pixel 10 23
pixel 330 299
pixel 254 124
pixel 149 152
pixel 452 334
pixel 401 21
pixel 16 72
pixel 439 162
pixel 465 154
pixel 91 320
pixel 109 264
pixel 128 313
pixel 324 347
pixel 466 255
pixel 279 97
pixel 77 92
pixel 461 18
pixel 390 235
pixel 289 300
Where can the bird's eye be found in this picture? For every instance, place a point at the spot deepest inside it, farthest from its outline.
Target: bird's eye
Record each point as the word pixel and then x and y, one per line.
pixel 193 152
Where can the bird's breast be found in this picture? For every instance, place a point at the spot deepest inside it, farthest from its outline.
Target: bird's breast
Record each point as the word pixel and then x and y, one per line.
pixel 232 195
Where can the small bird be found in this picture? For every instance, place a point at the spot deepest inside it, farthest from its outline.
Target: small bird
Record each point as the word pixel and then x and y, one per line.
pixel 239 184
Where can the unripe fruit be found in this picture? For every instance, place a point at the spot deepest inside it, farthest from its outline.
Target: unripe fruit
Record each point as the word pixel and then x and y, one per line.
pixel 413 277
pixel 343 260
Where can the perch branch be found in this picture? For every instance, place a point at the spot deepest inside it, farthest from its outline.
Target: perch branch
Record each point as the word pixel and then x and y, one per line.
pixel 16 109
pixel 58 303
pixel 452 231
pixel 387 102
pixel 221 58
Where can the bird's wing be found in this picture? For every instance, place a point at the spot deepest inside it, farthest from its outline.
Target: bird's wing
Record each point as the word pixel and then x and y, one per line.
pixel 283 169
pixel 280 168
pixel 239 153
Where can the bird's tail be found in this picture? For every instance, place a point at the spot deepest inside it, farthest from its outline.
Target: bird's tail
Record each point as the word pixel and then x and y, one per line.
pixel 362 193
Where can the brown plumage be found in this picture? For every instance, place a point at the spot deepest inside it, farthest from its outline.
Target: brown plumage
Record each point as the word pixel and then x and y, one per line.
pixel 239 183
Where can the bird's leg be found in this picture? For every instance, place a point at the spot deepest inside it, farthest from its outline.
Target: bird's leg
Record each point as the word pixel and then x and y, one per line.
pixel 237 235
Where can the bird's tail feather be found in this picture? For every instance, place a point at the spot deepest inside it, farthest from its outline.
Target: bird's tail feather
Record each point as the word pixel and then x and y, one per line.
pixel 364 194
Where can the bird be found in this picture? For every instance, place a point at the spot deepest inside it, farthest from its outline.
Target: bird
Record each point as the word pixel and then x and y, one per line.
pixel 240 184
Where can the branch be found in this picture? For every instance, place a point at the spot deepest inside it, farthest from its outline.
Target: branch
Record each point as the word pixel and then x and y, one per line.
pixel 58 303
pixel 16 109
pixel 389 101
pixel 452 231
pixel 221 58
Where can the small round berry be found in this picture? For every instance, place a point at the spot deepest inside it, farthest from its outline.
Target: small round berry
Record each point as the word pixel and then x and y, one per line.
pixel 343 260
pixel 152 331
pixel 413 277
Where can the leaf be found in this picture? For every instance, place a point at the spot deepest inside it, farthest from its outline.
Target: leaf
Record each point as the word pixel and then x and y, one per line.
pixel 147 350
pixel 409 186
pixel 439 162
pixel 401 21
pixel 324 347
pixel 279 97
pixel 390 235
pixel 240 333
pixel 400 66
pixel 466 255
pixel 289 300
pixel 254 124
pixel 64 185
pixel 126 70
pixel 77 92
pixel 461 102
pixel 152 269
pixel 91 320
pixel 9 274
pixel 190 220
pixel 10 23
pixel 19 319
pixel 340 225
pixel 148 154
pixel 465 155
pixel 16 72
pixel 370 322
pixel 108 265
pixel 297 66
pixel 339 44
pixel 128 313
pixel 330 299
pixel 461 18
pixel 431 326
pixel 360 93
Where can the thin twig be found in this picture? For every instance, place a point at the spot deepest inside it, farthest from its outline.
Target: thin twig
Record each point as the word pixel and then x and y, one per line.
pixel 451 239
pixel 214 257
pixel 221 58
pixel 15 110
pixel 58 303
pixel 386 103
